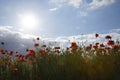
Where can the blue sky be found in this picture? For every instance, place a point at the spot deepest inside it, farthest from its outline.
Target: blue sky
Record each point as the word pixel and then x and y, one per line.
pixel 63 17
pixel 60 19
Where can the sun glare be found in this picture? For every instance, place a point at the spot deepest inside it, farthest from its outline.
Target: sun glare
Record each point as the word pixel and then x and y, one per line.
pixel 28 21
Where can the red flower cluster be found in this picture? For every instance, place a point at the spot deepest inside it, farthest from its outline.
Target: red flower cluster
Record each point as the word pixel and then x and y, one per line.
pixel 74 46
pixel 110 42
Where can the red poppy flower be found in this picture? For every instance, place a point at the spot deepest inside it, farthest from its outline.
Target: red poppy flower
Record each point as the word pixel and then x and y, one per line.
pixel 110 42
pixel 43 45
pixel 96 35
pixel 42 52
pixel 36 45
pixel 102 45
pixel 19 56
pixel 38 38
pixel 95 47
pixel 96 44
pixel 2 50
pixel 89 47
pixel 108 37
pixel 73 44
pixel 115 47
pixel 27 50
pixel 31 52
pixel 47 49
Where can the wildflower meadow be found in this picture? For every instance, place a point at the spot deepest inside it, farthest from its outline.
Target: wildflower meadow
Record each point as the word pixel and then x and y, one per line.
pixel 96 61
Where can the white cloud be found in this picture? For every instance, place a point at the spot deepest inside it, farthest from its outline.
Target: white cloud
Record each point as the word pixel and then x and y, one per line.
pixel 73 3
pixel 95 4
pixel 58 1
pixel 17 41
pixel 84 5
pixel 53 9
pixel 115 30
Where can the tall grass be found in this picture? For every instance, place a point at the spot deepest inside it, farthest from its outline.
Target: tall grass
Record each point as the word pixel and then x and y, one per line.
pixel 93 62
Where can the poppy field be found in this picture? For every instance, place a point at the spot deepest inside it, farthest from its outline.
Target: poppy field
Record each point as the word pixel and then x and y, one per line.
pixel 98 61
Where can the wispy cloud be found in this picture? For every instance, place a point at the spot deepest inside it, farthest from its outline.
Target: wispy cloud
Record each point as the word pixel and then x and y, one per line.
pixel 82 4
pixel 96 4
pixel 73 3
pixel 53 9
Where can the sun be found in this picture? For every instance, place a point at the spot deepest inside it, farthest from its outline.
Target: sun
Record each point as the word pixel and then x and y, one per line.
pixel 28 21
